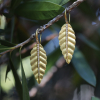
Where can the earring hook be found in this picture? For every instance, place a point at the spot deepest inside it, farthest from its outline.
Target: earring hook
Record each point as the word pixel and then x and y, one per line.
pixel 40 37
pixel 66 17
pixel 37 36
pixel 69 17
pixel 37 40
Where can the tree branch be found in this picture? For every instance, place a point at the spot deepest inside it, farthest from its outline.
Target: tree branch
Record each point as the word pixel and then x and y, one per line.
pixel 42 28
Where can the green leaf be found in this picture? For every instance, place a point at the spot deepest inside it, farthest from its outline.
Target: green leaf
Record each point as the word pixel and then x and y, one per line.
pixel 31 82
pixel 51 59
pixel 10 44
pixel 63 2
pixel 7 71
pixel 24 83
pixel 83 68
pixel 4 48
pixel 88 42
pixel 12 28
pixel 6 43
pixel 59 2
pixel 18 84
pixel 15 3
pixel 95 98
pixel 0 80
pixel 39 10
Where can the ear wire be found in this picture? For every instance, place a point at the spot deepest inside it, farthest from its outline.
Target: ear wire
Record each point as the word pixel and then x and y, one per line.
pixel 66 17
pixel 37 36
pixel 69 17
pixel 40 37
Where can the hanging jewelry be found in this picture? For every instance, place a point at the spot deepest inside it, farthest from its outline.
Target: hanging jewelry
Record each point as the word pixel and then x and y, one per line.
pixel 38 60
pixel 67 40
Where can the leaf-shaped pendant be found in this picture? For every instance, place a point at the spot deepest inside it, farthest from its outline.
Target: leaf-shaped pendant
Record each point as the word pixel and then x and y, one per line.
pixel 38 61
pixel 67 41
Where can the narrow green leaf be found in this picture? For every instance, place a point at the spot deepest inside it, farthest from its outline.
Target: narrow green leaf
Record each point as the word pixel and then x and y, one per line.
pixel 88 42
pixel 24 83
pixel 59 2
pixel 18 84
pixel 12 28
pixel 4 48
pixel 38 10
pixel 0 80
pixel 83 68
pixel 95 98
pixel 7 71
pixel 9 44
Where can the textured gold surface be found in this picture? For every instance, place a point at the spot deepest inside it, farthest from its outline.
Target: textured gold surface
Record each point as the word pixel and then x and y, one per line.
pixel 67 41
pixel 38 61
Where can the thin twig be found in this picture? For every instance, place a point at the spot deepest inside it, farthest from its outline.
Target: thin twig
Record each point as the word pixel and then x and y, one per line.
pixel 42 28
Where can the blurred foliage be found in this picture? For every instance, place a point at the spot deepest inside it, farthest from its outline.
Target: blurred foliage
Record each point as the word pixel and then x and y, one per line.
pixel 88 42
pixel 2 22
pixel 52 59
pixel 24 93
pixel 94 98
pixel 22 18
pixel 17 80
pixel 83 68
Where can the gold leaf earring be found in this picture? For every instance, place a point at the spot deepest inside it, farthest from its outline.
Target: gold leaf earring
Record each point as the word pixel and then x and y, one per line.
pixel 38 60
pixel 67 40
